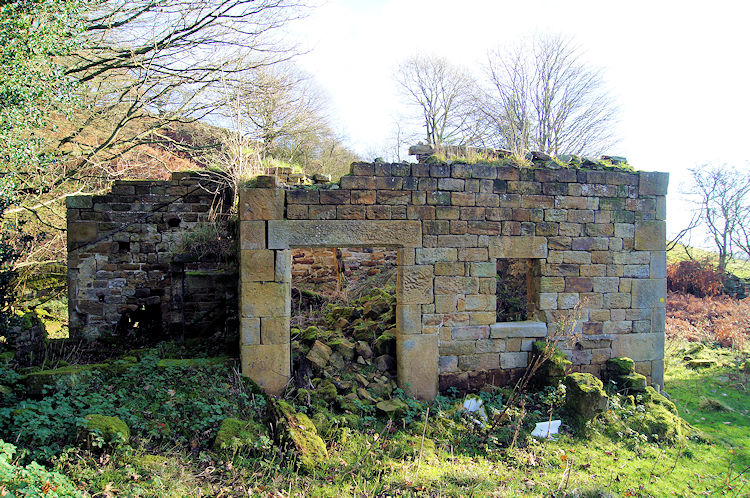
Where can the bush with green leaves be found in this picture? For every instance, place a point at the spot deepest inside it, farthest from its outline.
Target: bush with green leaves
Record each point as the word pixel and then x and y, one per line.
pixel 31 479
pixel 163 405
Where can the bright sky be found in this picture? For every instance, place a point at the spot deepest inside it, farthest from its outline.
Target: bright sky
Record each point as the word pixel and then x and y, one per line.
pixel 679 70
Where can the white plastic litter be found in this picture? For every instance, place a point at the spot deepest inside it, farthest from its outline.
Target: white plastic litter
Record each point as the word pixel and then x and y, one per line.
pixel 546 429
pixel 472 404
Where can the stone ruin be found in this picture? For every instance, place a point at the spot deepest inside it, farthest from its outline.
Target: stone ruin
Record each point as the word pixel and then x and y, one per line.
pixel 591 235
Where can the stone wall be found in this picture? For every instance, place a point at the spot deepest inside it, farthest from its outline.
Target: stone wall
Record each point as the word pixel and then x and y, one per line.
pixel 329 269
pixel 595 236
pixel 132 273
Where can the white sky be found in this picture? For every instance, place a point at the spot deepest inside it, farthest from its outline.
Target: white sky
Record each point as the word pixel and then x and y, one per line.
pixel 679 70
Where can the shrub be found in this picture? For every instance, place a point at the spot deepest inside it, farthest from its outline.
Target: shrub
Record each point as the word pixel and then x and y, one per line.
pixel 693 277
pixel 32 479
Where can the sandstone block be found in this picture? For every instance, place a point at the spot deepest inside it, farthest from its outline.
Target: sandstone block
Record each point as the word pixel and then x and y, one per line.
pixel 456 285
pixel 650 235
pixel 249 331
pixel 79 202
pixel 653 183
pixel 508 330
pixel 470 333
pixel 252 235
pixel 551 284
pixel 265 299
pixel 446 303
pixel 433 255
pixel 518 247
pixel 257 265
pixel 80 232
pixel 639 347
pixel 449 268
pixel 480 302
pixel 649 293
pixel 458 348
pixel 658 265
pixel 514 360
pixel 448 364
pixel 417 363
pixel 261 204
pixel 414 284
pixel 284 234
pixel 479 361
pixel 482 318
pixel 274 330
pixel 267 364
pixel 283 266
pixel 408 319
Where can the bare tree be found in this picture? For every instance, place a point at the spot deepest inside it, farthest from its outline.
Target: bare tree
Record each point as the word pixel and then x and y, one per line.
pixel 543 97
pixel 445 96
pixel 283 109
pixel 722 197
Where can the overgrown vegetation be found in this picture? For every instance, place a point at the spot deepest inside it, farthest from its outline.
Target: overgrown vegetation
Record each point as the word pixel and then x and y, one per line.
pixel 198 428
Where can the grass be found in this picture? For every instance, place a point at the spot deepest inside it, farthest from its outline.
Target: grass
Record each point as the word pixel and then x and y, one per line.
pixel 373 456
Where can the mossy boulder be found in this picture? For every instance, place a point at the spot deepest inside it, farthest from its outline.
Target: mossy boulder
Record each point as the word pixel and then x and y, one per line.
pixel 113 430
pixel 297 431
pixel 552 370
pixel 237 435
pixel 70 375
pixel 327 391
pixel 658 423
pixel 392 407
pixel 584 398
pixel 651 396
pixel 698 364
pixel 191 362
pixel 620 366
pixel 632 383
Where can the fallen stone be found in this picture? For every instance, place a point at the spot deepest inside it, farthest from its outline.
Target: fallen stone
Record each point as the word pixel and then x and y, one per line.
pixel 698 364
pixel 620 366
pixel 385 362
pixel 297 431
pixel 392 407
pixel 235 434
pixel 111 429
pixel 363 349
pixel 584 398
pixel 319 354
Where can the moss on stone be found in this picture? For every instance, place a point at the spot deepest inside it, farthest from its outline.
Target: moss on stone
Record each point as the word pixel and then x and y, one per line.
pixel 699 363
pixel 7 356
pixel 71 375
pixel 584 398
pixel 620 366
pixel 327 391
pixel 191 362
pixel 658 423
pixel 235 434
pixel 651 396
pixel 112 429
pixel 552 370
pixel 392 407
pixel 632 383
pixel 297 430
